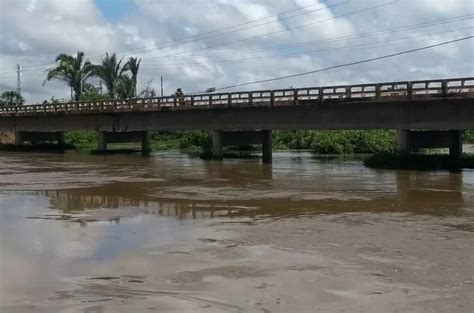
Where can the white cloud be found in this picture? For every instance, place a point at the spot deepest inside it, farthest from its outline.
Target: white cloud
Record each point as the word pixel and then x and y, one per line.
pixel 34 32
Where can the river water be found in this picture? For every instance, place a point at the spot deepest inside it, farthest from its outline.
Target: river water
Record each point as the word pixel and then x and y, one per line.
pixel 172 233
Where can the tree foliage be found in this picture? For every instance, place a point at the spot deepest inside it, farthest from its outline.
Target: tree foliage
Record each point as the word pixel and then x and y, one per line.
pixel 120 81
pixel 11 98
pixel 109 71
pixel 74 71
pixel 337 142
pixel 133 65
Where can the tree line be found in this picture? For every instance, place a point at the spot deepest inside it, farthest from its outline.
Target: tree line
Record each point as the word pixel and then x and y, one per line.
pixel 120 79
pixel 76 71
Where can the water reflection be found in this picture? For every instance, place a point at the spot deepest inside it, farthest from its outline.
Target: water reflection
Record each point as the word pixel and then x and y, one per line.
pixel 261 196
pixel 174 184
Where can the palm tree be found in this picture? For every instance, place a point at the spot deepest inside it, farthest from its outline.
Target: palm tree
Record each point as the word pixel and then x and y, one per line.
pixel 74 71
pixel 133 65
pixel 125 87
pixel 109 71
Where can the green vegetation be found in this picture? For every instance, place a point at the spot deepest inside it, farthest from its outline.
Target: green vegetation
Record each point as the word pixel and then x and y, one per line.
pixel 320 142
pixel 418 162
pixel 11 98
pixel 469 136
pixel 74 71
pixel 189 140
pixel 337 142
pixel 196 139
pixel 81 139
pixel 120 81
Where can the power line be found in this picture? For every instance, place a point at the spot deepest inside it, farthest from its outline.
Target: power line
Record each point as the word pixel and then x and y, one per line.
pixel 276 32
pixel 363 46
pixel 334 39
pixel 312 52
pixel 287 29
pixel 460 18
pixel 177 42
pixel 282 57
pixel 345 64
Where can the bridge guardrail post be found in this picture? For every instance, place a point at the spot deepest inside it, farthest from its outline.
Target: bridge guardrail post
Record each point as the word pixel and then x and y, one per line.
pixel 272 98
pixel 229 100
pixel 321 94
pixel 175 101
pixel 250 99
pixel 295 97
pixel 348 92
pixel 409 90
pixel 210 101
pixel 192 100
pixel 378 92
pixel 444 88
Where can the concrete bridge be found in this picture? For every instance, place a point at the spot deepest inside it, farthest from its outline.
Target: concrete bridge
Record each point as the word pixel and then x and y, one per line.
pixel 428 113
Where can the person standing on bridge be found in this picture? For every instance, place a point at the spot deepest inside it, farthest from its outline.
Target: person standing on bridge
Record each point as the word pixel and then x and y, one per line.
pixel 180 96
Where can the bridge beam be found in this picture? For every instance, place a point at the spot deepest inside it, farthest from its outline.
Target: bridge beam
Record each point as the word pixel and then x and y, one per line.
pixel 104 138
pixel 34 137
pixel 235 138
pixel 411 140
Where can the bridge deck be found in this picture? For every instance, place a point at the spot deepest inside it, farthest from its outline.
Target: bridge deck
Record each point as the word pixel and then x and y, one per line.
pixel 425 90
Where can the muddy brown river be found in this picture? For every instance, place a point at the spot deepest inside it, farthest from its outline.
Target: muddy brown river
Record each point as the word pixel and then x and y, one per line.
pixel 172 233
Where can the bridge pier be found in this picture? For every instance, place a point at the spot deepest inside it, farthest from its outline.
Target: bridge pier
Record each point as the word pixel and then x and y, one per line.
pixel 217 144
pixel 411 140
pixel 34 137
pixel 104 138
pixel 267 150
pixel 234 138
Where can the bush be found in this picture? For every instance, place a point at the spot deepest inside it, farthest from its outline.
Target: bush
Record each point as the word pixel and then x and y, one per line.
pixel 337 142
pixel 196 138
pixel 81 138
pixel 469 136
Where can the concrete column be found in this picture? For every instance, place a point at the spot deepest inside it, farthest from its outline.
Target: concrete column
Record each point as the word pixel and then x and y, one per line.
pixel 455 150
pixel 146 142
pixel 267 146
pixel 61 139
pixel 101 141
pixel 403 141
pixel 217 143
pixel 18 139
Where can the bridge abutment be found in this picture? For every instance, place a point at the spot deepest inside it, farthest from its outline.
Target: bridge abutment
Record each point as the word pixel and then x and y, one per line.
pixel 104 138
pixel 234 138
pixel 34 137
pixel 409 141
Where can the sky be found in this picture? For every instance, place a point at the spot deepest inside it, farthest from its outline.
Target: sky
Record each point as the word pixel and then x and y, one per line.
pixel 198 44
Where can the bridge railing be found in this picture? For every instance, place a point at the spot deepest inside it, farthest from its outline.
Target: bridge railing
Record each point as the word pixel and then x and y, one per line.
pixel 388 91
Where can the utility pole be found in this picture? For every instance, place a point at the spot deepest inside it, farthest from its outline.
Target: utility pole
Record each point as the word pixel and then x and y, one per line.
pixel 162 86
pixel 18 83
pixel 18 79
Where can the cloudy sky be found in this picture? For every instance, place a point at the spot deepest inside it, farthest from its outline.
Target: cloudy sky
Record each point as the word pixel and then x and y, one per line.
pixel 197 44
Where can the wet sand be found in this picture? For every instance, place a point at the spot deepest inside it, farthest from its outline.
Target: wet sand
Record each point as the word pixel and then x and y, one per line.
pixel 174 234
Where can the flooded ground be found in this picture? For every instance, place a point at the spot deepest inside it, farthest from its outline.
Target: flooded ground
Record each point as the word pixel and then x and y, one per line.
pixel 169 233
